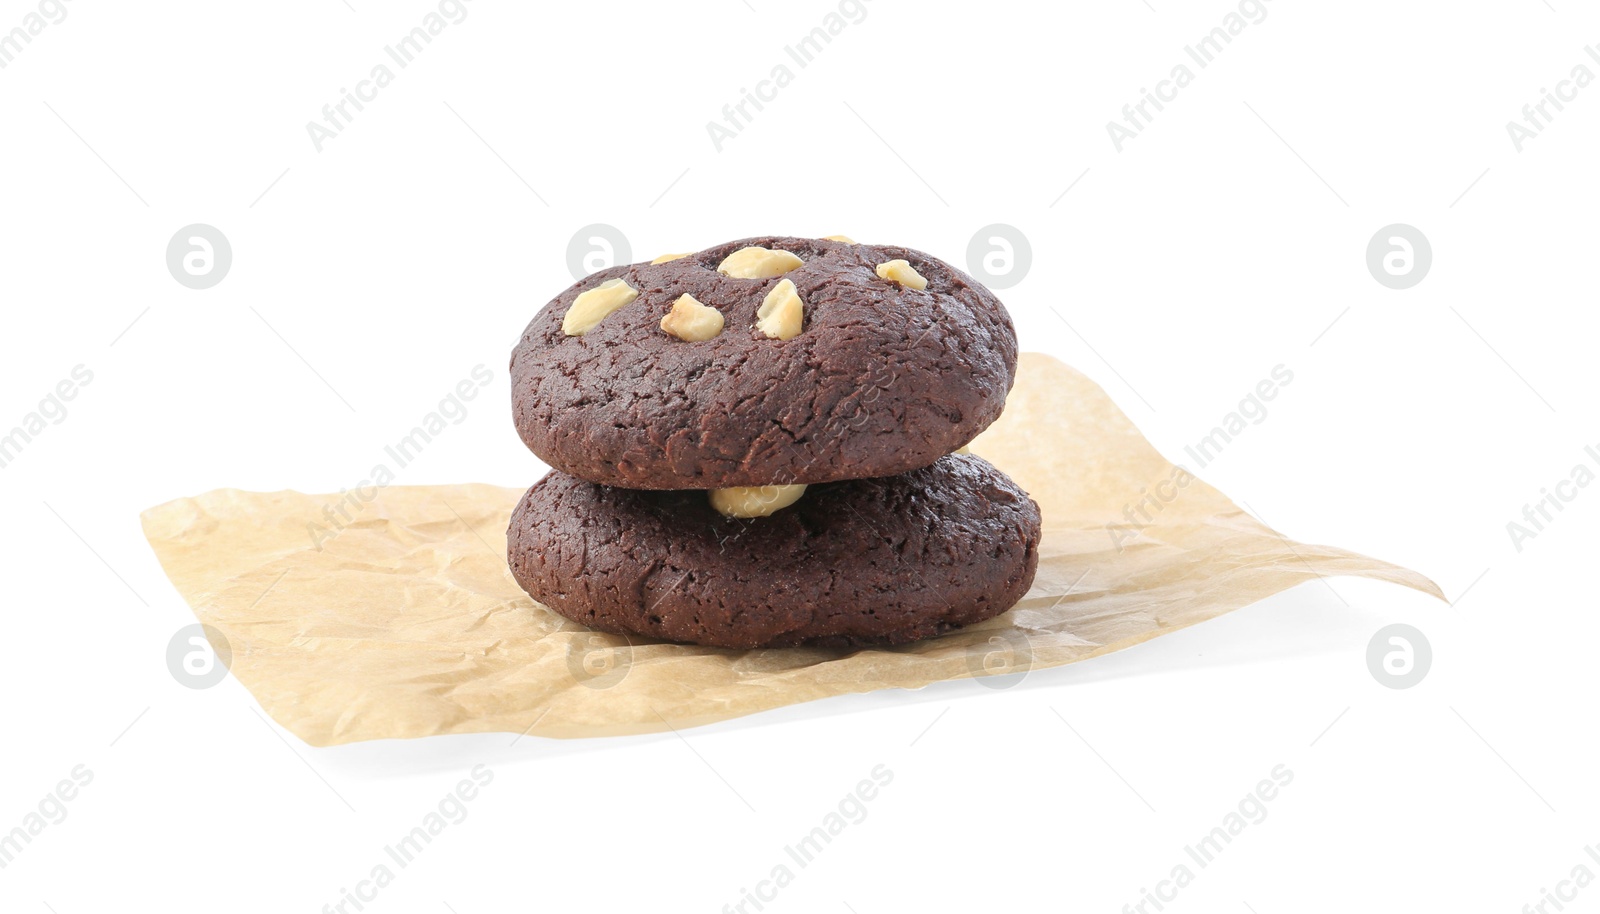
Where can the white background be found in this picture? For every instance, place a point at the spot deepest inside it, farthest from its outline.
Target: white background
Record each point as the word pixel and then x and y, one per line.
pixel 370 277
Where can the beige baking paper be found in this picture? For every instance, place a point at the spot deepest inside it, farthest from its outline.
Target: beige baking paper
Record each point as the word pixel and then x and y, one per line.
pixel 407 623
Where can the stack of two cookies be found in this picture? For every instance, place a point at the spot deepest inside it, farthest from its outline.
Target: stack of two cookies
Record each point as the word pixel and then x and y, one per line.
pixel 755 446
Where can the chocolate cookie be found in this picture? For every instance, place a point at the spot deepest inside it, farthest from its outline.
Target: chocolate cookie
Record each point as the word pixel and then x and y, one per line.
pixel 827 364
pixel 869 561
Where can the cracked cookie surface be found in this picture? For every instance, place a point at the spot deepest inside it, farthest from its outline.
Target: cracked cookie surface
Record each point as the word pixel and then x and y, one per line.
pixel 857 563
pixel 880 379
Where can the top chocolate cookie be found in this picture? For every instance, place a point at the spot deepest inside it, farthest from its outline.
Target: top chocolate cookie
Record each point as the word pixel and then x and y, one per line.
pixel 766 361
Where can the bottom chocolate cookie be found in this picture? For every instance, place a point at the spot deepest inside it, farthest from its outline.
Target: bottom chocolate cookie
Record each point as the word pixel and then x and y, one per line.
pixel 865 562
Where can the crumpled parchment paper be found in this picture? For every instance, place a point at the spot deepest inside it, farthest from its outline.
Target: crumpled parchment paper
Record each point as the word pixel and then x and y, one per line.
pixel 397 617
